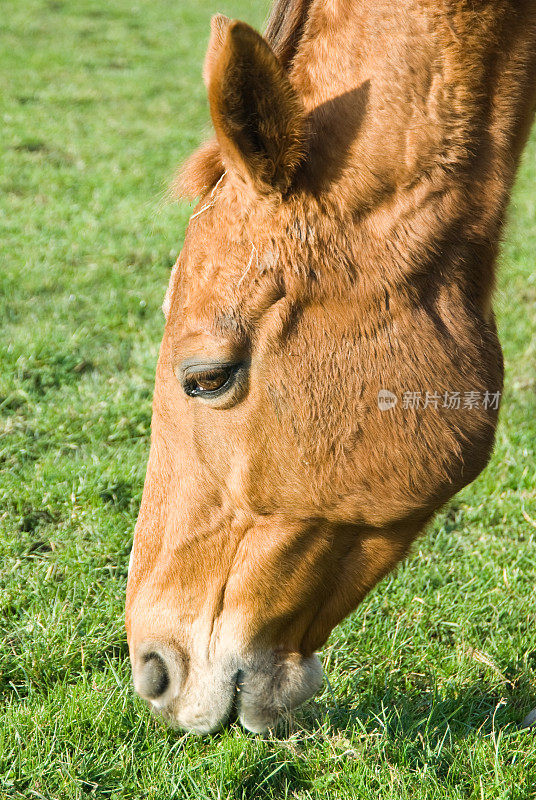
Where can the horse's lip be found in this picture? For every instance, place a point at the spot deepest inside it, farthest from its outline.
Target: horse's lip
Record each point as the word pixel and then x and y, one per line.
pixel 233 710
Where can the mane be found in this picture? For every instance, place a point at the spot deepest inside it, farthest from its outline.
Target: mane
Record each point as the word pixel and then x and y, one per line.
pixel 204 168
pixel 284 27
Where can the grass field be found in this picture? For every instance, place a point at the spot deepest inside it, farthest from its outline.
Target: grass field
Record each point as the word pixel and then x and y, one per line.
pixel 429 678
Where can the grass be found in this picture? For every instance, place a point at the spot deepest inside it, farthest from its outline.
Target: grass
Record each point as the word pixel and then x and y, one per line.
pixel 430 677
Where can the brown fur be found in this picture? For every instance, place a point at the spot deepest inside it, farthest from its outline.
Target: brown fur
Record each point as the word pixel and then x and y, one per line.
pixel 349 247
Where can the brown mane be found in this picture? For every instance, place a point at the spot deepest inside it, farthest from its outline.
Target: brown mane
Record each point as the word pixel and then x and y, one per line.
pixel 285 26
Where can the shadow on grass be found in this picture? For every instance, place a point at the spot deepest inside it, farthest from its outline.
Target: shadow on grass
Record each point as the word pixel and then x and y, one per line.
pixel 420 730
pixel 471 710
pixel 417 731
pixel 275 776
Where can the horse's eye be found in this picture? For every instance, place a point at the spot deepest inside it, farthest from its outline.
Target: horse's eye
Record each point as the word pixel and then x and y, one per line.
pixel 208 382
pixel 219 385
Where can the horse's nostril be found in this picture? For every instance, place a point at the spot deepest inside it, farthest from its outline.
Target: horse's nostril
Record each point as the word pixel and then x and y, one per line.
pixel 154 678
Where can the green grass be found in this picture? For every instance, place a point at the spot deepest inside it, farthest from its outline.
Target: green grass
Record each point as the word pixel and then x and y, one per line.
pixel 430 677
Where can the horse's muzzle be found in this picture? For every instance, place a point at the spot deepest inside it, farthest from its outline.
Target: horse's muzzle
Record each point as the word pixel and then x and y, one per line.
pixel 203 696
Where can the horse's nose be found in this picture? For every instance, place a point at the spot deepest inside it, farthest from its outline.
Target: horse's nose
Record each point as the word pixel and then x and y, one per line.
pixel 158 673
pixel 153 679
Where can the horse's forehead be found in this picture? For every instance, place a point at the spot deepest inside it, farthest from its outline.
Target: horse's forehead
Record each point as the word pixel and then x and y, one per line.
pixel 205 298
pixel 223 282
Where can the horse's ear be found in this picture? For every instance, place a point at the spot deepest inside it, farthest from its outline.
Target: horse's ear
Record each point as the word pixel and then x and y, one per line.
pixel 257 115
pixel 218 31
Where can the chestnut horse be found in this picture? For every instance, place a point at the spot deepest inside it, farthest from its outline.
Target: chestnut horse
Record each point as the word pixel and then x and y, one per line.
pixel 330 372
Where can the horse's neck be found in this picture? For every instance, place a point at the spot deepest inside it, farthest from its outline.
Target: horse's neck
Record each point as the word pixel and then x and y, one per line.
pixel 412 89
pixel 419 111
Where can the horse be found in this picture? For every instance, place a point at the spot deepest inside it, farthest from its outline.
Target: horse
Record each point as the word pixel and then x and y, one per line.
pixel 330 372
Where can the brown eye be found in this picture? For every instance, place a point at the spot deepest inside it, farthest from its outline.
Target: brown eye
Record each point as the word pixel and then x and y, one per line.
pixel 209 382
pixel 218 384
